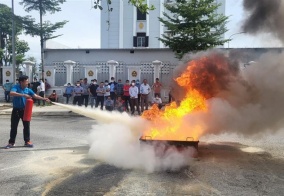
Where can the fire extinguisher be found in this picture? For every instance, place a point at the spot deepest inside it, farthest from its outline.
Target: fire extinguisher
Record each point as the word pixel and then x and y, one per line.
pixel 28 110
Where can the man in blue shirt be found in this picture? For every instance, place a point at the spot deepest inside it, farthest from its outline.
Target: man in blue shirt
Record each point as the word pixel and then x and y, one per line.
pixel 21 93
pixel 7 88
pixel 112 85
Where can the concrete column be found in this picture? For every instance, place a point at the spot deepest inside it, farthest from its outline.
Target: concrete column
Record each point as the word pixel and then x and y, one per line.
pixel 29 69
pixel 112 68
pixel 91 72
pixel 157 65
pixel 8 74
pixel 69 71
pixel 50 74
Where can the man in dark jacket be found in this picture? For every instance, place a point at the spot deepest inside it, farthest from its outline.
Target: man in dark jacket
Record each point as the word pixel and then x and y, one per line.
pixel 93 92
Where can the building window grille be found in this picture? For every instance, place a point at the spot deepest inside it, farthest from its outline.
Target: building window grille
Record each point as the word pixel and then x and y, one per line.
pixel 140 15
pixel 140 41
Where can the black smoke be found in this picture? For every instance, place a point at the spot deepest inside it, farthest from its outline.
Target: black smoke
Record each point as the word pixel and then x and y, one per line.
pixel 264 16
pixel 248 101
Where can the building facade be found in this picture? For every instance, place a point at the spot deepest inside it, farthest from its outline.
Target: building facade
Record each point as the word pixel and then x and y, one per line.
pixel 126 27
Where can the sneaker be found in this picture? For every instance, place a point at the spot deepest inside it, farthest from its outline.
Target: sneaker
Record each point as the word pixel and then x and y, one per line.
pixel 11 145
pixel 29 144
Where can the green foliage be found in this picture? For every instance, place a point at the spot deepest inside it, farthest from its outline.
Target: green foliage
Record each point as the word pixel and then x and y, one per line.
pixel 44 30
pixel 193 25
pixel 47 30
pixel 50 6
pixel 140 4
pixel 21 47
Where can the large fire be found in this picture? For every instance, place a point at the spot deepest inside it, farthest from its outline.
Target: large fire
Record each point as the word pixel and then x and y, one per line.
pixel 169 124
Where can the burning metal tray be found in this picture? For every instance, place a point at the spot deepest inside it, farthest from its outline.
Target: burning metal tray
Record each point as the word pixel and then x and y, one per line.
pixel 179 144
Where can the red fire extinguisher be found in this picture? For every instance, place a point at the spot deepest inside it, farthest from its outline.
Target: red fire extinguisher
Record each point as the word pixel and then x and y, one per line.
pixel 28 110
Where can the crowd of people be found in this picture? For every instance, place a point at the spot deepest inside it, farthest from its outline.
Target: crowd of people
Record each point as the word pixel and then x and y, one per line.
pixel 130 96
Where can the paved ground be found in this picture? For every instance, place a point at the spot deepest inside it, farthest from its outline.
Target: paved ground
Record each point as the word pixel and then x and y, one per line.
pixel 59 165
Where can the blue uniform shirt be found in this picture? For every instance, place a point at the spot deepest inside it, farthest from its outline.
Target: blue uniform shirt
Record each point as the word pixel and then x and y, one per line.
pixel 20 102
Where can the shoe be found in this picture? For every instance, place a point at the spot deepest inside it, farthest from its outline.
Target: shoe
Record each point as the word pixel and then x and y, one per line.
pixel 29 144
pixel 11 145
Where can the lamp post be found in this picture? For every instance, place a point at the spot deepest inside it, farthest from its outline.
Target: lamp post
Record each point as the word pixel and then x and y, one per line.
pixel 13 44
pixel 233 35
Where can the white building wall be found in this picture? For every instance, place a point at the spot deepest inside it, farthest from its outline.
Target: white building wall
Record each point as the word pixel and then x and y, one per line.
pixel 154 25
pixel 110 32
pixel 128 27
pixel 104 55
pixel 123 24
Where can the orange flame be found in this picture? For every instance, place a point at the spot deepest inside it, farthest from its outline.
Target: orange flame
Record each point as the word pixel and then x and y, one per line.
pixel 170 124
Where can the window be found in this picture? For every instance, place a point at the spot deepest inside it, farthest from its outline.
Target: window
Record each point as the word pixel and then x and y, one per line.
pixel 141 40
pixel 140 15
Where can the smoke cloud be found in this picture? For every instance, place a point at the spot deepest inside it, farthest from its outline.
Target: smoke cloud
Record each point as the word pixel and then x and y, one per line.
pixel 248 101
pixel 115 144
pixel 264 16
pixel 115 140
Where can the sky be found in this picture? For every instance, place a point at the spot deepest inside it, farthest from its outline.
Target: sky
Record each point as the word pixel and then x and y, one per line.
pixel 83 28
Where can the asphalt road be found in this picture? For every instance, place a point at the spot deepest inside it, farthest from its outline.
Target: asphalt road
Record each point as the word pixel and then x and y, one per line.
pixel 59 165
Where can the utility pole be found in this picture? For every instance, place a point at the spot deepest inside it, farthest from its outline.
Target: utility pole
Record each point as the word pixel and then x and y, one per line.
pixel 13 44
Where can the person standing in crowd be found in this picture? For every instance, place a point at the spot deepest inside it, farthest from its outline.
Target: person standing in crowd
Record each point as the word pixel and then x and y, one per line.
pixel 158 101
pixel 35 84
pixel 20 94
pixel 7 88
pixel 68 92
pixel 41 89
pixel 78 91
pixel 118 89
pixel 100 95
pixel 85 95
pixel 139 94
pixel 157 87
pixel 145 91
pixel 133 92
pixel 93 92
pixel 81 81
pixel 107 90
pixel 119 104
pixel 46 85
pixel 126 96
pixel 112 85
pixel 109 104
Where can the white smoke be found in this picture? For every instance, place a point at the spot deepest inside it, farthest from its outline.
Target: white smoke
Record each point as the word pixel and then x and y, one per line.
pixel 115 140
pixel 116 144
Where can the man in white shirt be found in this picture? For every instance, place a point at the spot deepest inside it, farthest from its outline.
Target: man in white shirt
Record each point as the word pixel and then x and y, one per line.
pixel 133 92
pixel 41 91
pixel 145 90
pixel 158 101
pixel 107 90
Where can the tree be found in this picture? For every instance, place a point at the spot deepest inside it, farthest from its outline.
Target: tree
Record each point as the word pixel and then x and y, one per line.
pixel 140 4
pixel 45 29
pixel 6 32
pixel 193 25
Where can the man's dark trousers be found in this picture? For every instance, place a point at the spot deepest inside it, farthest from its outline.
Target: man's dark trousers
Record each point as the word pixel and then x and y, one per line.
pixel 7 96
pixel 18 114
